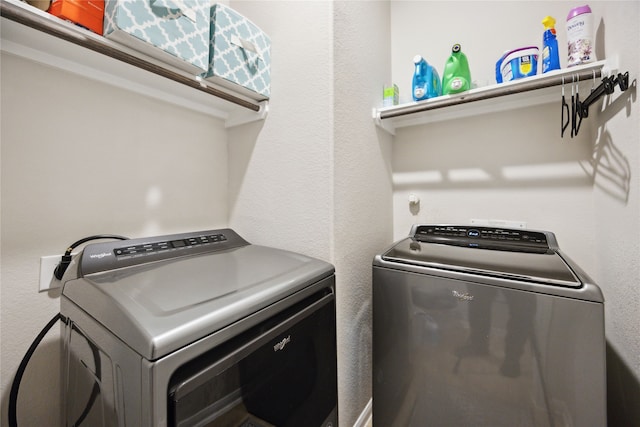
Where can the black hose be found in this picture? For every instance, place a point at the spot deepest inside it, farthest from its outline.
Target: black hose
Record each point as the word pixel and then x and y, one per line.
pixel 59 272
pixel 15 386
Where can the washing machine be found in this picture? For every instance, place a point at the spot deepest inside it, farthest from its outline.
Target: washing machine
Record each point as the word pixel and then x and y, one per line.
pixel 485 326
pixel 198 329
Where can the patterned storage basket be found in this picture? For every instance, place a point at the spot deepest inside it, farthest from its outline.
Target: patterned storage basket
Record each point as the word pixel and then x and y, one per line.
pixel 173 31
pixel 239 54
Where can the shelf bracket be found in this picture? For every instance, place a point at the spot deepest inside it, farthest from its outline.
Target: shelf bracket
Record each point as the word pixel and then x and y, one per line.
pixel 241 118
pixel 387 126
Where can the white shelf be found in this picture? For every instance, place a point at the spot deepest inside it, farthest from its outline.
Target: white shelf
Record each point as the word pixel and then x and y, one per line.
pixel 530 91
pixel 38 36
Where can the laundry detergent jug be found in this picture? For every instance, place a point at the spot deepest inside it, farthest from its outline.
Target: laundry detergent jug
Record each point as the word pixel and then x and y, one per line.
pixel 456 76
pixel 426 80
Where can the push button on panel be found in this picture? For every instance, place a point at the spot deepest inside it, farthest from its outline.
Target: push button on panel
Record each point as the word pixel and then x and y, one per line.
pixel 178 243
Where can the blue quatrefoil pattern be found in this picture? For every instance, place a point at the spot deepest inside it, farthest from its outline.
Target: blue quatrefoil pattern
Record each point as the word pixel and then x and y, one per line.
pixel 166 24
pixel 239 52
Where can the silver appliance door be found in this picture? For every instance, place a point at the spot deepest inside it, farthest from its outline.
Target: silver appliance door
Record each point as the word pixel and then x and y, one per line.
pixel 459 353
pixel 283 372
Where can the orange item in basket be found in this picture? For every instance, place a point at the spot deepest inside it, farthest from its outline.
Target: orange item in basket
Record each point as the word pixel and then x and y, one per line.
pixel 86 13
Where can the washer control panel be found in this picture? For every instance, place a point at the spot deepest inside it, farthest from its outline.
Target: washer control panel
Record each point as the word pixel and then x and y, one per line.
pixel 483 237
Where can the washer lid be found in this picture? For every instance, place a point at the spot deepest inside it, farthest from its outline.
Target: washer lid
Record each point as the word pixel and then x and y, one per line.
pixel 546 268
pixel 159 306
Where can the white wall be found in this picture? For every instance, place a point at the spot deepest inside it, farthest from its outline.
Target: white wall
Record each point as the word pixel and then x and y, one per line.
pixel 616 151
pixel 513 165
pixel 316 179
pixel 362 187
pixel 497 166
pixel 280 182
pixel 82 158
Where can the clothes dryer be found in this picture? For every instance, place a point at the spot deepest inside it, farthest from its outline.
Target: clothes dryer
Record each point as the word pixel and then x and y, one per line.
pixel 198 329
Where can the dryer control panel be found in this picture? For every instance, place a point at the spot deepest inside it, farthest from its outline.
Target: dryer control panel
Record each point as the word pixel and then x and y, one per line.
pixel 484 237
pixel 106 256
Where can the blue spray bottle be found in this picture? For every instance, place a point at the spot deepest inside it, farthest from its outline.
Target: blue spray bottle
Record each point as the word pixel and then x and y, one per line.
pixel 550 57
pixel 426 81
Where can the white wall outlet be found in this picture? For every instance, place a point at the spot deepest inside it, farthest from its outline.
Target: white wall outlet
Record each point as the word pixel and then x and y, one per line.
pixel 47 265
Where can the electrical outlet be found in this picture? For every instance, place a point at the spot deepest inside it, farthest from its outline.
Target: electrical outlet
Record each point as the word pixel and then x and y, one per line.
pixel 47 265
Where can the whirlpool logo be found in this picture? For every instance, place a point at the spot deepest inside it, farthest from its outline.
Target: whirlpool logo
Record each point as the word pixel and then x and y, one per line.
pixel 462 296
pixel 100 256
pixel 280 345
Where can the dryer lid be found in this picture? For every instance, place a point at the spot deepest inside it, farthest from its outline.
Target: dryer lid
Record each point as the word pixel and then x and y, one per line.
pixel 157 306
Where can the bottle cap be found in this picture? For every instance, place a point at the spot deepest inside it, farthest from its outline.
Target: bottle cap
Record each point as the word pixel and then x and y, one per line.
pixel 578 11
pixel 549 22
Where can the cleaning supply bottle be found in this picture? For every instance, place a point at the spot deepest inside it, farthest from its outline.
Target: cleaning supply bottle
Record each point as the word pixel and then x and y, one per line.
pixel 426 80
pixel 550 56
pixel 456 76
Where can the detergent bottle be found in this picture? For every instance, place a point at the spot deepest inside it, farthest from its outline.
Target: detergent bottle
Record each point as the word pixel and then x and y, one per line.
pixel 456 76
pixel 550 56
pixel 426 80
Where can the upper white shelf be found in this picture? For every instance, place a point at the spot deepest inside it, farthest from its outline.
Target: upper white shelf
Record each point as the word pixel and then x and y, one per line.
pixel 534 90
pixel 36 35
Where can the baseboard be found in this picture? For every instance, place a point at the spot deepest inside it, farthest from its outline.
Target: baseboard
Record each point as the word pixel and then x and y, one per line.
pixel 365 416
